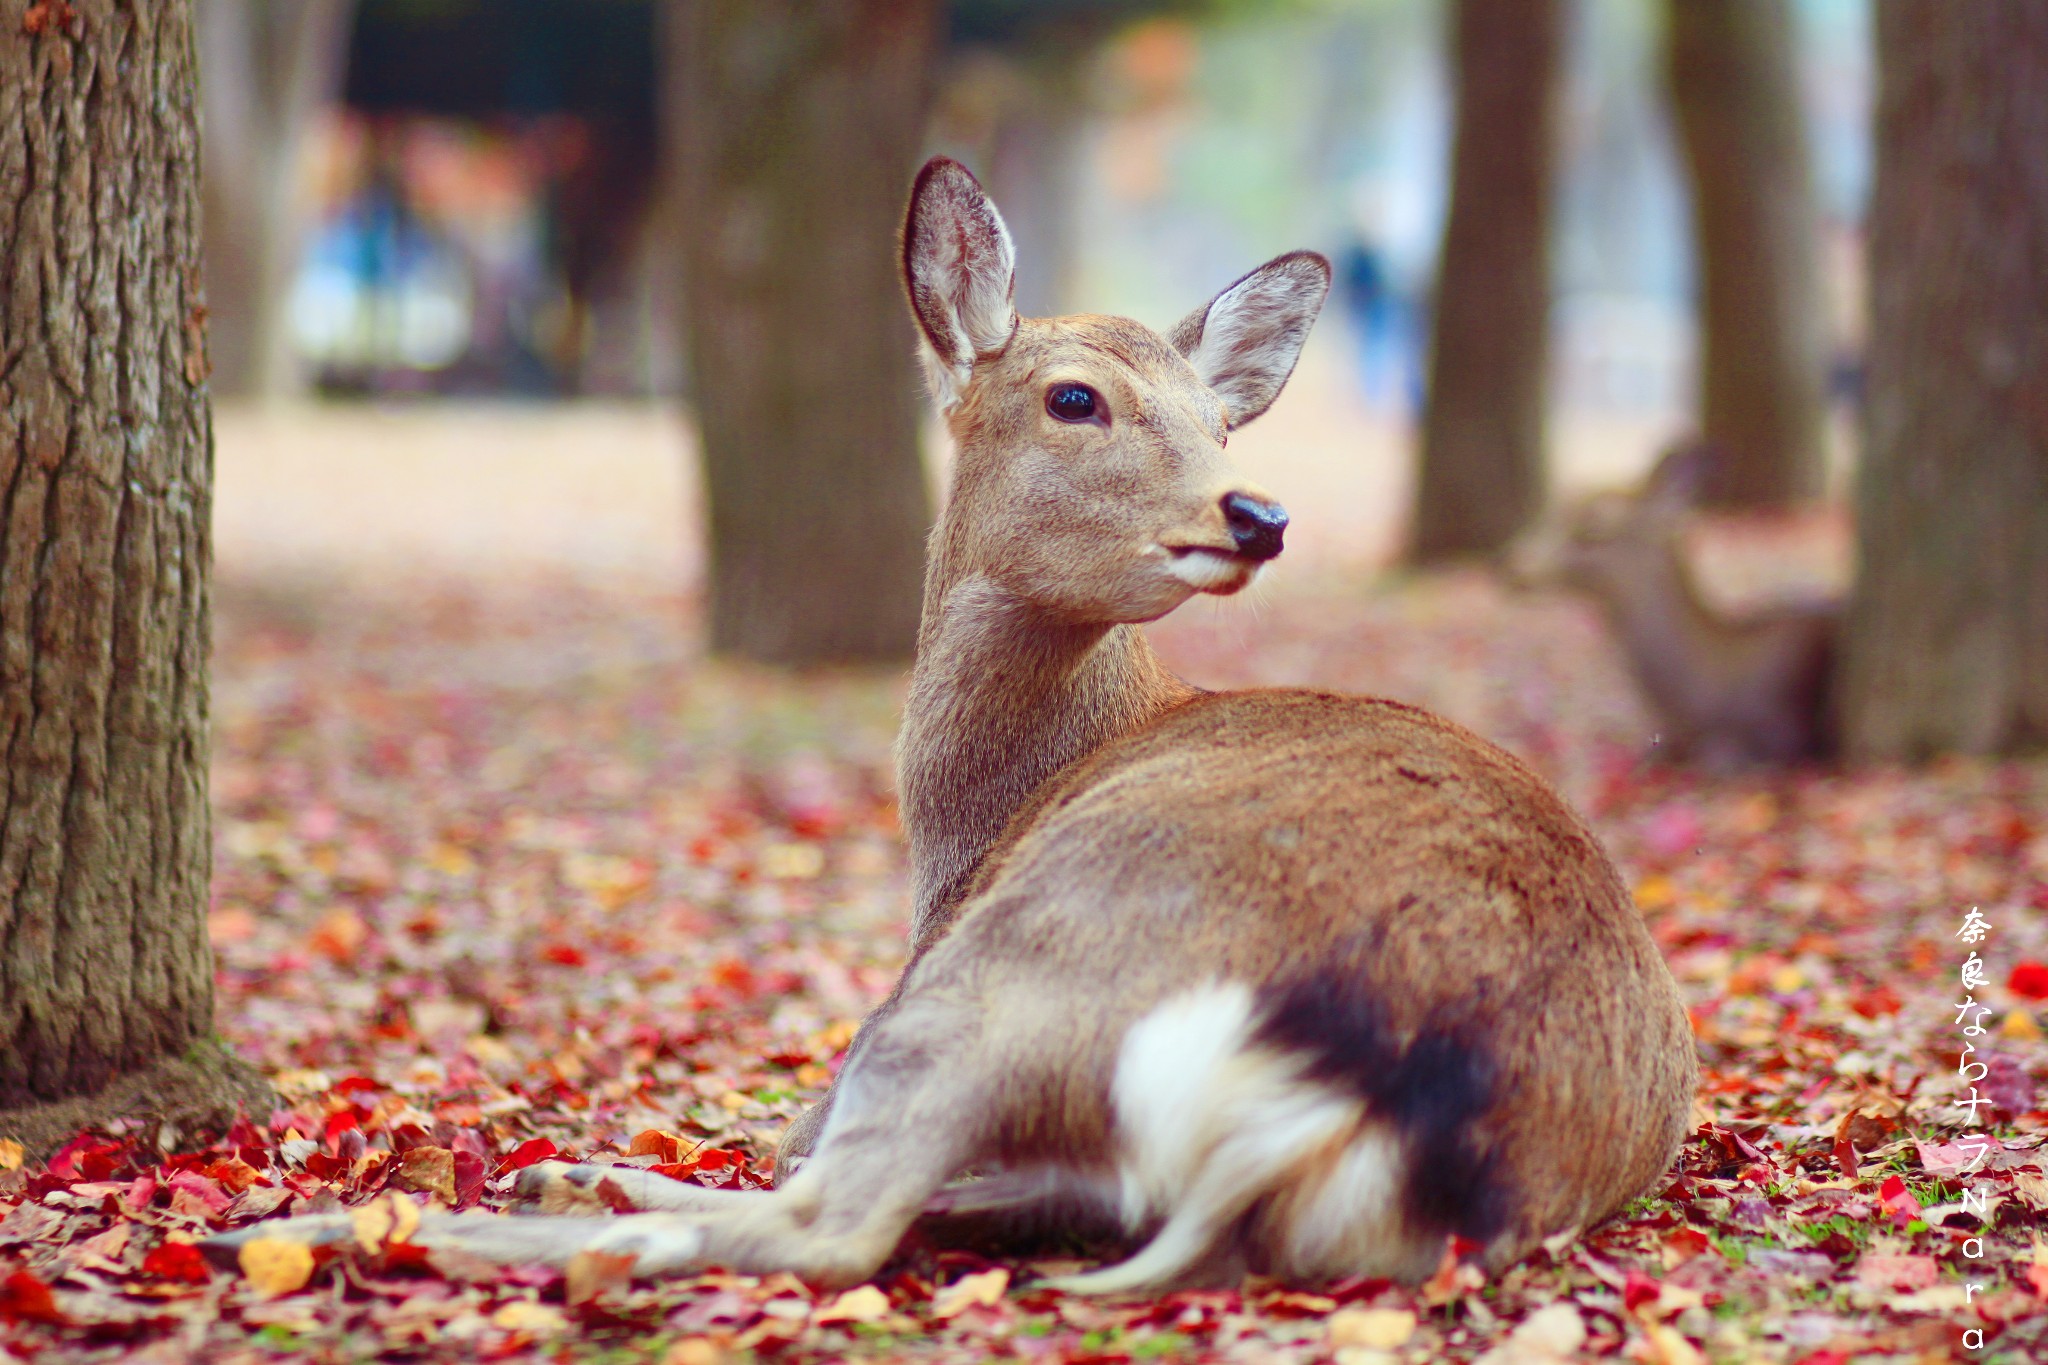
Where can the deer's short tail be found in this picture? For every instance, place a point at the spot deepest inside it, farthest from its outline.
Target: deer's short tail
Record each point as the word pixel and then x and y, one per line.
pixel 1287 1129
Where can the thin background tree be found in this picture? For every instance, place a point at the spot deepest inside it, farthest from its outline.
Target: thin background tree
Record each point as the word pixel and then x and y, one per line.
pixel 1482 473
pixel 1762 327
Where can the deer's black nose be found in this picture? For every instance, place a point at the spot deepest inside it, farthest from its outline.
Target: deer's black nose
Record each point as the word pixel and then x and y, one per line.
pixel 1255 526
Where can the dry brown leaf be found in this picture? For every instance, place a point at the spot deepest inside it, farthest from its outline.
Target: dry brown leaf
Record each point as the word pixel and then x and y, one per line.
pixel 590 1273
pixel 656 1143
pixel 430 1170
pixel 275 1266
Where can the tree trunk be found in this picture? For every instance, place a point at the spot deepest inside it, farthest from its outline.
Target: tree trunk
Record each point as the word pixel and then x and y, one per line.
pixel 1482 435
pixel 1034 172
pixel 1763 333
pixel 1947 637
pixel 270 68
pixel 106 978
pixel 795 127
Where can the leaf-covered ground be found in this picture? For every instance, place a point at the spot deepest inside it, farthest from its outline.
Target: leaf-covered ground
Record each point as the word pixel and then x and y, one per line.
pixel 504 870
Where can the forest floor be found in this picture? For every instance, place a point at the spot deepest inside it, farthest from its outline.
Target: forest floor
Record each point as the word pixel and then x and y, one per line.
pixel 506 869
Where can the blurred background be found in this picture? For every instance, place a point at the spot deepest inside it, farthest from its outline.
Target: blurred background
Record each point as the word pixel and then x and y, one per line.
pixel 609 284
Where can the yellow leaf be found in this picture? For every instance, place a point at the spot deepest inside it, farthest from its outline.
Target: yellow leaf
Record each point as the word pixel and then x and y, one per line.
pixel 11 1154
pixel 534 1319
pixel 2020 1025
pixel 385 1221
pixel 275 1266
pixel 985 1289
pixel 1379 1328
pixel 372 1223
pixel 1654 893
pixel 865 1304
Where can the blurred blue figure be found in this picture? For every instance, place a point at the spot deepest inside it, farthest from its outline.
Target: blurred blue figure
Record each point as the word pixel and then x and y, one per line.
pixel 1383 323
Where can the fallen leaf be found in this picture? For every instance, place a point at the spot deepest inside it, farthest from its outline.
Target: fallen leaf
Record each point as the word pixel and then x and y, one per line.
pixel 11 1154
pixel 532 1319
pixel 24 1298
pixel 177 1261
pixel 1377 1328
pixel 864 1304
pixel 985 1289
pixel 275 1266
pixel 2029 979
pixel 384 1222
pixel 430 1170
pixel 590 1273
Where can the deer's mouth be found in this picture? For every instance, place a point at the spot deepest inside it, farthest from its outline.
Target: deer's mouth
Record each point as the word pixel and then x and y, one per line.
pixel 1208 569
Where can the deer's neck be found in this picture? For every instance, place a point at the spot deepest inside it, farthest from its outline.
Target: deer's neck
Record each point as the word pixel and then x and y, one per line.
pixel 1680 648
pixel 1003 696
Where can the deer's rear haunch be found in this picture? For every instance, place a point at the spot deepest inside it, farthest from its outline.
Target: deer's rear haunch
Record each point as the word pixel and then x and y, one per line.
pixel 1279 981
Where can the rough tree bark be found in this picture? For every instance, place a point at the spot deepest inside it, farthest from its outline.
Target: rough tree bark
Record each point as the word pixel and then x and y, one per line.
pixel 269 68
pixel 106 978
pixel 1947 637
pixel 794 128
pixel 1482 435
pixel 1763 327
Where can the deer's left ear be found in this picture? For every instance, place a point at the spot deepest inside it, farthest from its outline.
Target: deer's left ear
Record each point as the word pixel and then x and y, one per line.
pixel 1244 342
pixel 960 271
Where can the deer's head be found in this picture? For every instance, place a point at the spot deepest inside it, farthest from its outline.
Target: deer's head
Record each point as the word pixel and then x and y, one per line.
pixel 1091 477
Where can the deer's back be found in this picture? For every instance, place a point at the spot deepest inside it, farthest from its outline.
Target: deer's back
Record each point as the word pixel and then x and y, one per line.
pixel 1391 878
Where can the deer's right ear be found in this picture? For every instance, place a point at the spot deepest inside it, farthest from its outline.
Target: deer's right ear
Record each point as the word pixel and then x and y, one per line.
pixel 1680 475
pixel 960 270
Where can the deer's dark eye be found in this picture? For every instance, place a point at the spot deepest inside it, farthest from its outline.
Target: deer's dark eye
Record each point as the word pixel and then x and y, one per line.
pixel 1072 402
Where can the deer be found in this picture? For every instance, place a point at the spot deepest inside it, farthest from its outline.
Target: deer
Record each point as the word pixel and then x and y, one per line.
pixel 1277 981
pixel 1732 692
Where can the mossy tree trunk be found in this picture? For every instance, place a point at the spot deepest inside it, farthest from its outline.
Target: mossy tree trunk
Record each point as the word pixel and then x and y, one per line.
pixel 794 128
pixel 1482 473
pixel 1947 638
pixel 1763 329
pixel 106 978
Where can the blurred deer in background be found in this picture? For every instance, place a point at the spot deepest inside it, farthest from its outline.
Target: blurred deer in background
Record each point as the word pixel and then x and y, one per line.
pixel 1279 981
pixel 1731 691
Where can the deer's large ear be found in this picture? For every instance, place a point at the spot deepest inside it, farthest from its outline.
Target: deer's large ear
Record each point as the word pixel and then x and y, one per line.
pixel 1244 342
pixel 961 273
pixel 1680 475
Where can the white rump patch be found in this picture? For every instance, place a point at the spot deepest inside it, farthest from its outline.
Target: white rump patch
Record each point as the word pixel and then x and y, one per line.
pixel 1208 1122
